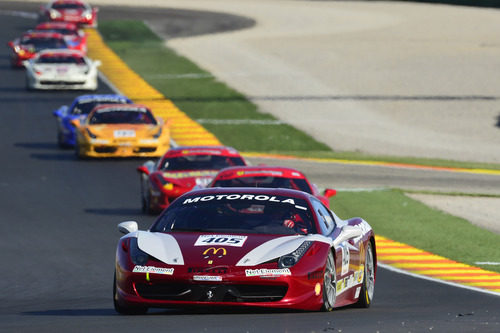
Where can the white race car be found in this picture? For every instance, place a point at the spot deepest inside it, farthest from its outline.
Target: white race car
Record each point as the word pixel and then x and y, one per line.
pixel 61 69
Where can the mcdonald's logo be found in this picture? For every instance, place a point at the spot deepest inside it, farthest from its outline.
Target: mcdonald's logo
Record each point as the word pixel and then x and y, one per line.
pixel 214 251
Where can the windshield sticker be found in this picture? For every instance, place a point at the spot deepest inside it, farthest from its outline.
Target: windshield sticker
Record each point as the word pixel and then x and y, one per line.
pixel 267 272
pixel 153 269
pixel 176 175
pixel 122 109
pixel 259 197
pixel 226 240
pixel 204 152
pixel 92 99
pixel 259 172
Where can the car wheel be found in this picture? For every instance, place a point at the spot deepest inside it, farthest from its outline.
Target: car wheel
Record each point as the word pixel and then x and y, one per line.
pixel 60 141
pixel 368 287
pixel 126 310
pixel 329 284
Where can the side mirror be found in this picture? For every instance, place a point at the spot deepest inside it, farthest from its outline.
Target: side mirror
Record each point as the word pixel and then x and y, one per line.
pixel 330 192
pixel 75 123
pixel 143 169
pixel 61 112
pixel 127 227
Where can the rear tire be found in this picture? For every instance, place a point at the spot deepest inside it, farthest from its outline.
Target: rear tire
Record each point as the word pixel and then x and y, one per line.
pixel 368 288
pixel 329 284
pixel 126 310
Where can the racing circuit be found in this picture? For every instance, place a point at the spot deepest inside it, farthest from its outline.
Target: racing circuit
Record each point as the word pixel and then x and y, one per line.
pixel 59 226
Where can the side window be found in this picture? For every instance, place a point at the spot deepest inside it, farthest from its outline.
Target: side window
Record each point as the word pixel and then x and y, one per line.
pixel 325 218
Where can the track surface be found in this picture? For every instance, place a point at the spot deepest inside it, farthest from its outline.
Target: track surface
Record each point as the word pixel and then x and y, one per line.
pixel 58 224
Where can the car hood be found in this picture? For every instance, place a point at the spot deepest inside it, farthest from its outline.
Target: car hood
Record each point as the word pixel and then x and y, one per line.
pixel 123 132
pixel 186 248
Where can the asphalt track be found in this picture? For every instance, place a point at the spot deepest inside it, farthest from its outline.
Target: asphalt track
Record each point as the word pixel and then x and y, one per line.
pixel 58 222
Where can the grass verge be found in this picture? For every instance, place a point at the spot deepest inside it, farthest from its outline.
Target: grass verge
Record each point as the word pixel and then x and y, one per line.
pixel 201 96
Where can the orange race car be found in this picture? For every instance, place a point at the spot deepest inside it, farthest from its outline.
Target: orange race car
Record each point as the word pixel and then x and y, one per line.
pixel 121 130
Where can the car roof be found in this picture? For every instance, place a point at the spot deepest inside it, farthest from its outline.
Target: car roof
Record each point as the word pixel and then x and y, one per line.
pixel 202 150
pixel 255 171
pixel 213 191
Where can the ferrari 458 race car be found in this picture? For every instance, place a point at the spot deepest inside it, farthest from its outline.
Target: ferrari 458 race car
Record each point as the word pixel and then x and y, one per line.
pixel 79 109
pixel 179 171
pixel 73 11
pixel 272 177
pixel 32 42
pixel 74 36
pixel 253 247
pixel 61 69
pixel 121 130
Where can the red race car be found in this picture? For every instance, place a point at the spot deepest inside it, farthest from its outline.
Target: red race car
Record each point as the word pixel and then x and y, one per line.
pixel 75 37
pixel 269 176
pixel 73 11
pixel 180 170
pixel 238 247
pixel 32 42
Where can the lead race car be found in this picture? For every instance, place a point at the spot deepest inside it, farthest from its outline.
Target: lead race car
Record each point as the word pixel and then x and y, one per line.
pixel 237 247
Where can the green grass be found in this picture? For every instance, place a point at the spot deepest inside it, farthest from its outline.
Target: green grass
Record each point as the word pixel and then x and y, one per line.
pixel 391 213
pixel 394 215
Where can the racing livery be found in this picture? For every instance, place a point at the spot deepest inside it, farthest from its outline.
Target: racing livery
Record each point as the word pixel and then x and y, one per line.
pixel 61 69
pixel 180 170
pixel 79 109
pixel 121 130
pixel 252 247
pixel 270 176
pixel 73 11
pixel 32 42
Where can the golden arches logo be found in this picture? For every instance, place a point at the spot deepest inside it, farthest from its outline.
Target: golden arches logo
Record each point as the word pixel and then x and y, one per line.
pixel 215 251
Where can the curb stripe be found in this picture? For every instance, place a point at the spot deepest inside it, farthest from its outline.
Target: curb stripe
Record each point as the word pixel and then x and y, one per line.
pixel 410 259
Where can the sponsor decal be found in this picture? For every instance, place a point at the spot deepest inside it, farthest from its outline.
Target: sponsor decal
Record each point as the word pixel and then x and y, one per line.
pixel 225 240
pixel 345 258
pixel 315 275
pixel 213 251
pixel 259 197
pixel 124 134
pixel 268 272
pixel 153 269
pixel 260 172
pixel 213 270
pixel 207 278
pixel 358 289
pixel 204 152
pixel 122 109
pixel 349 281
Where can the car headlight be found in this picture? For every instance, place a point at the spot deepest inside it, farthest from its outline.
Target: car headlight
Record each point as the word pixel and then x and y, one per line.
pixel 162 182
pixel 92 135
pixel 87 15
pixel 291 259
pixel 137 256
pixel 157 135
pixel 54 14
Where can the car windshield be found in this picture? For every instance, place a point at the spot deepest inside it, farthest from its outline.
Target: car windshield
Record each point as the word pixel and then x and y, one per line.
pixel 62 31
pixel 84 106
pixel 43 43
pixel 62 6
pixel 238 213
pixel 265 181
pixel 61 59
pixel 200 162
pixel 114 116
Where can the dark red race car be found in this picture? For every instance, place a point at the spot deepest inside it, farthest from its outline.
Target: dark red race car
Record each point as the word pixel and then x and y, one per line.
pixel 180 170
pixel 270 176
pixel 253 247
pixel 32 42
pixel 73 11
pixel 75 37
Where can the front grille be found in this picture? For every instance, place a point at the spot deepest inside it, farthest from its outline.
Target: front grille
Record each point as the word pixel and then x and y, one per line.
pixel 212 292
pixel 145 150
pixel 62 82
pixel 105 149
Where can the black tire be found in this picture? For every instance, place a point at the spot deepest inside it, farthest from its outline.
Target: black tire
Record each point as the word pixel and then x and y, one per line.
pixel 329 284
pixel 126 310
pixel 368 287
pixel 60 141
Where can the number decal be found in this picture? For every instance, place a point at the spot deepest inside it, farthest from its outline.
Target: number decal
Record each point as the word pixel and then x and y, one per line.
pixel 227 240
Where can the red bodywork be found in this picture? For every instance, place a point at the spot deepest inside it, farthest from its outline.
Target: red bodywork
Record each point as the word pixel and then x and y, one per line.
pixel 182 285
pixel 75 37
pixel 160 186
pixel 270 176
pixel 24 48
pixel 73 11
